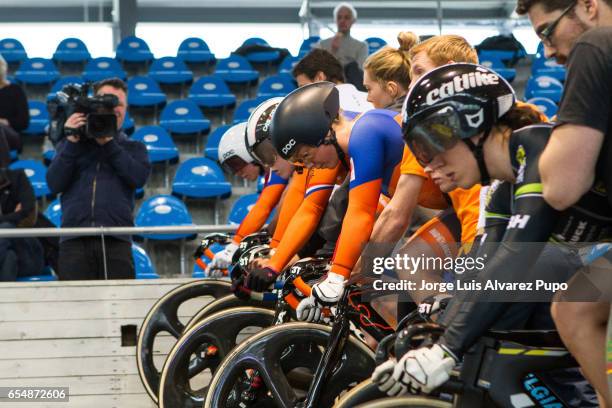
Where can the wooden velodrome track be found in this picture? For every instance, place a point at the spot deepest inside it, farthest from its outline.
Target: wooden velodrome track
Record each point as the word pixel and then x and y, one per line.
pixel 68 334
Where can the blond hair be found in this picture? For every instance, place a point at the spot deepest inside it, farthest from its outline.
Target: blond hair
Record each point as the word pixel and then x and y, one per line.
pixel 391 64
pixel 444 48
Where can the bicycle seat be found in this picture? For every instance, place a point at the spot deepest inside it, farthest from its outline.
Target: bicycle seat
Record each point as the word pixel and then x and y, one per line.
pixel 531 338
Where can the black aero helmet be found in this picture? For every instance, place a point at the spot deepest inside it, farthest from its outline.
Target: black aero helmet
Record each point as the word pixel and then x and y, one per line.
pixel 304 117
pixel 452 103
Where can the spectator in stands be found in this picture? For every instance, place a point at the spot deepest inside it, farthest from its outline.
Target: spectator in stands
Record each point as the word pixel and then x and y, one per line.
pixel 97 179
pixel 344 47
pixel 18 256
pixel 14 113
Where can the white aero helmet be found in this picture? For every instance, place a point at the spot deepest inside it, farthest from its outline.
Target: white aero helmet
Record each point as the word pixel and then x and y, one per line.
pixel 233 154
pixel 258 142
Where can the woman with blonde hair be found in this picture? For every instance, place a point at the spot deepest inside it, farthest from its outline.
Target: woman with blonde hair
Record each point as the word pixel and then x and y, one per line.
pixel 387 73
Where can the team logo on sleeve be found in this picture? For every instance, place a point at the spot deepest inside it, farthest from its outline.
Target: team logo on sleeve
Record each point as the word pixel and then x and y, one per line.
pixel 518 221
pixel 521 159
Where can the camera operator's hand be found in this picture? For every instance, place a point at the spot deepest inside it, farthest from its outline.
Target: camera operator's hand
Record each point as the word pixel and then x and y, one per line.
pixel 75 121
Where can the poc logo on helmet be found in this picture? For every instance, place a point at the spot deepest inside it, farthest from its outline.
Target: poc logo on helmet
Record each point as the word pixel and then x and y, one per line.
pixel 228 154
pixel 288 146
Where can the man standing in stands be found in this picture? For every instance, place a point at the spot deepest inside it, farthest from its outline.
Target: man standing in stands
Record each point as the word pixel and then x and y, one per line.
pixel 344 47
pixel 579 152
pixel 97 177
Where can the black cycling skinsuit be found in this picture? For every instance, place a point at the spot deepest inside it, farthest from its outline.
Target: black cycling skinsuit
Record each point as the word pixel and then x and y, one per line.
pixel 529 219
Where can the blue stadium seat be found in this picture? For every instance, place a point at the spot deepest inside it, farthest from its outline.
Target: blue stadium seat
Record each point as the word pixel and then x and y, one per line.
pixel 540 51
pixel 128 124
pixel 48 156
pixel 143 266
pixel 102 68
pixel 308 44
pixel 12 51
pixel 236 70
pixel 133 50
pixel 545 105
pixel 497 65
pixel 14 155
pixel 144 92
pixel 184 117
pixel 261 182
pixel 212 143
pixel 170 71
pixel 211 92
pixel 286 67
pixel 37 174
pixel 243 111
pixel 54 212
pixel 241 208
pixel 163 210
pixel 39 119
pixel 37 71
pixel 263 57
pixel 375 44
pixel 544 86
pixel 548 67
pixel 200 177
pixel 60 83
pixel 71 51
pixel 160 146
pixel 46 275
pixel 276 85
pixel 500 55
pixel 196 51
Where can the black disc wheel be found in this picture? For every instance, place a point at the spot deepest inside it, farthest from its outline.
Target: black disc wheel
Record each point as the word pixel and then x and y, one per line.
pixel 198 353
pixel 163 317
pixel 408 401
pixel 366 391
pixel 224 303
pixel 275 363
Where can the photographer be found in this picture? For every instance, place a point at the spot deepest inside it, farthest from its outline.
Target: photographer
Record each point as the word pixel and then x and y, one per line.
pixel 97 170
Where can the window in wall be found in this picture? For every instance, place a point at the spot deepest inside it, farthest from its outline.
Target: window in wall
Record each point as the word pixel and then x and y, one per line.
pixel 41 39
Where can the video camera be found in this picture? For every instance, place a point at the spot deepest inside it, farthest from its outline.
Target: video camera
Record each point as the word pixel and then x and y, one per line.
pixel 74 98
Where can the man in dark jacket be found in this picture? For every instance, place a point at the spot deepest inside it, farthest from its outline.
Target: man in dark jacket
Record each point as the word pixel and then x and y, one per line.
pixel 18 256
pixel 97 179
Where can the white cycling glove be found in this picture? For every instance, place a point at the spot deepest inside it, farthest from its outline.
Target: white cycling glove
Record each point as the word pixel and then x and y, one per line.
pixel 324 293
pixel 422 370
pixel 223 259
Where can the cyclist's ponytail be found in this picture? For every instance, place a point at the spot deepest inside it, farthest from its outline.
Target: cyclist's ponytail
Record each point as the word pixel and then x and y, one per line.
pixel 522 114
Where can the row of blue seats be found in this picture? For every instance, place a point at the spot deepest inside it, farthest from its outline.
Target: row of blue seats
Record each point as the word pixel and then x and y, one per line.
pixel 166 211
pixel 179 117
pixel 167 71
pixel 135 50
pixel 198 177
pixel 143 267
pixel 208 92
